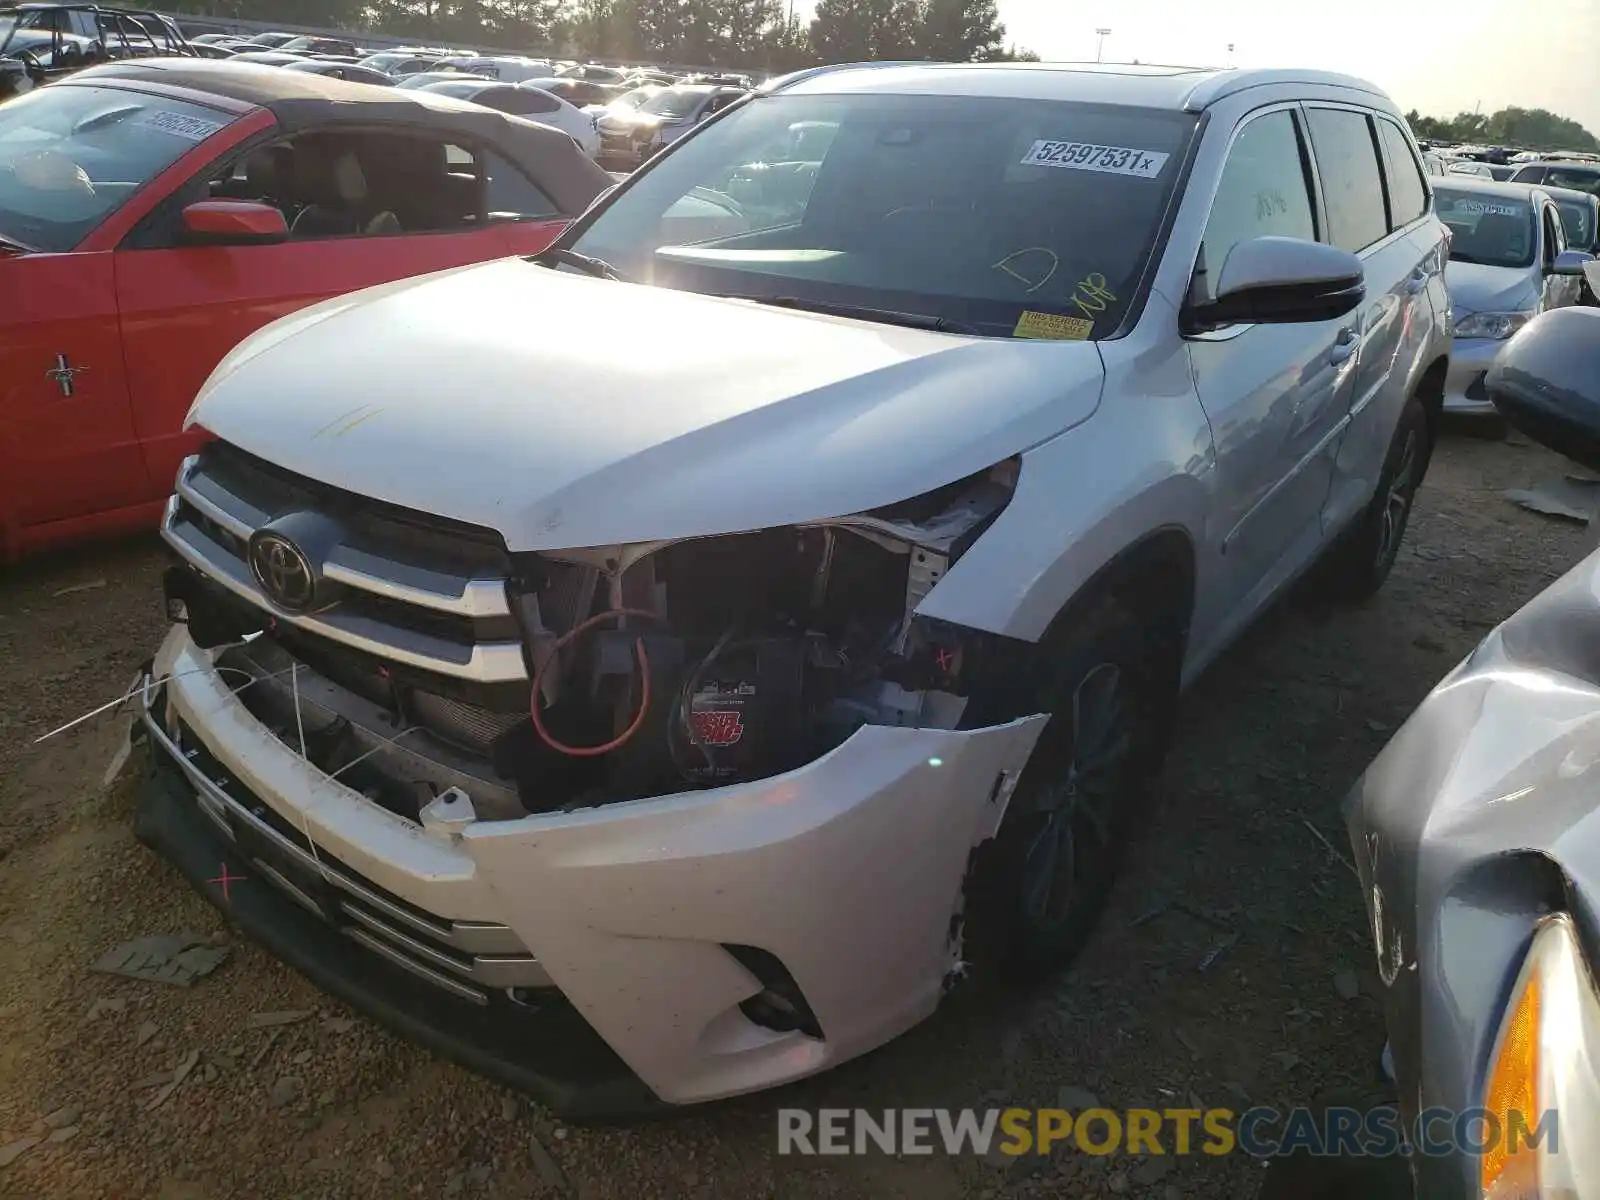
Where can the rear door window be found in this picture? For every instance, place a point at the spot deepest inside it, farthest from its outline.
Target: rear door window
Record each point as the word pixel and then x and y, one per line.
pixel 1583 179
pixel 1352 185
pixel 534 102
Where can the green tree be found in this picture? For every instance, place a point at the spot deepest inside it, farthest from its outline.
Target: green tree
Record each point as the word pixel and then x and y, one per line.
pixel 961 31
pixel 1537 129
pixel 598 29
pixel 865 30
pixel 707 32
pixel 1013 53
pixel 1525 128
pixel 745 28
pixel 786 46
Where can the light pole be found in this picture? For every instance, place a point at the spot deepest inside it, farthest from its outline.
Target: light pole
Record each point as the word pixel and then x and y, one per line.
pixel 1100 46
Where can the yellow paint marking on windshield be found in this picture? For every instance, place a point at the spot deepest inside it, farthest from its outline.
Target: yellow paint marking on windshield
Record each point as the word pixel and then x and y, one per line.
pixel 1005 264
pixel 1092 295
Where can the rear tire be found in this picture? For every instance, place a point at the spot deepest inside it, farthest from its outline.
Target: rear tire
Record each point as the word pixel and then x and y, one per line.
pixel 1040 886
pixel 1359 562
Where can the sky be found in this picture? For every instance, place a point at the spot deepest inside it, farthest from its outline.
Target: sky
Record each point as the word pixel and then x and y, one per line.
pixel 1438 56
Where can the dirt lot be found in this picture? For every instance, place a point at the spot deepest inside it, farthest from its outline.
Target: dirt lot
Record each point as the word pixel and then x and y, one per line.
pixel 1270 741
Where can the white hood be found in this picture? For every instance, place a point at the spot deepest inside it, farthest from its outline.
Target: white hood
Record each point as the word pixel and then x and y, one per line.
pixel 1481 287
pixel 566 411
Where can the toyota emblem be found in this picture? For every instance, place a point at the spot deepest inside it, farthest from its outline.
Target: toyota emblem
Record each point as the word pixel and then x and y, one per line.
pixel 283 571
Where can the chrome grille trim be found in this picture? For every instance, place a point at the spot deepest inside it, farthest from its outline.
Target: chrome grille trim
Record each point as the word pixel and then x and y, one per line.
pixel 472 597
pixel 468 958
pixel 409 583
pixel 352 566
pixel 484 662
pixel 241 526
pixel 481 662
pixel 437 978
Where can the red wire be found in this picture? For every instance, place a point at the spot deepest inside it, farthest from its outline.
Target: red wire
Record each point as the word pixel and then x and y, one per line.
pixel 622 738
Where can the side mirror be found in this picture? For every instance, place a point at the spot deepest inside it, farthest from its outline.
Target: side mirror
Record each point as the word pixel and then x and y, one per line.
pixel 1280 280
pixel 1546 382
pixel 233 223
pixel 1569 262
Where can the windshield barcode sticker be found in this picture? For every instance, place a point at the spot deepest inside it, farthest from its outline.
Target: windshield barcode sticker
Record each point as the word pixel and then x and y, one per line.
pixel 1485 208
pixel 1110 160
pixel 195 129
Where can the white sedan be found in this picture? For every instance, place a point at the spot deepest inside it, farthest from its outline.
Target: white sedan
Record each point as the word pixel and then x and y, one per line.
pixel 532 103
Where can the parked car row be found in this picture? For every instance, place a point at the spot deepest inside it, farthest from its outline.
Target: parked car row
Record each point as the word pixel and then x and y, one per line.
pixel 579 83
pixel 645 745
pixel 43 42
pixel 641 117
pixel 1517 250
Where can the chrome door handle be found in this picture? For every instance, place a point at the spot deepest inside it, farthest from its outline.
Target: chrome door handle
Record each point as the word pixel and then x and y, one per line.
pixel 1344 346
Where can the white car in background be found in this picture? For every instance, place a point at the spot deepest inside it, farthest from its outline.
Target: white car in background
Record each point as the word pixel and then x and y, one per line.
pixel 504 67
pixel 1509 262
pixel 400 63
pixel 632 137
pixel 626 104
pixel 1580 176
pixel 421 79
pixel 522 101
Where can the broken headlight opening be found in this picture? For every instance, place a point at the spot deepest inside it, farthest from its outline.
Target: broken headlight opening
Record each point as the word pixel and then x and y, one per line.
pixel 653 668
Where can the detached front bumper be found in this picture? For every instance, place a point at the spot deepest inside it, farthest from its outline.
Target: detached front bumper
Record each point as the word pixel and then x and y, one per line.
pixel 543 1048
pixel 1470 360
pixel 615 924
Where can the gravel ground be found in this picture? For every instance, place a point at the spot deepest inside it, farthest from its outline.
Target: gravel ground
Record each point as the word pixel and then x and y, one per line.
pixel 329 1106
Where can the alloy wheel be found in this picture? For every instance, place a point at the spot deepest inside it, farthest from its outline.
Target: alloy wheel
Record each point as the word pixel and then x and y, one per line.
pixel 1076 811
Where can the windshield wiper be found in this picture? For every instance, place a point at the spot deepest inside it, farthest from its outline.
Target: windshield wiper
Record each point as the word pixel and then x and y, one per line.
pixel 887 316
pixel 583 262
pixel 16 247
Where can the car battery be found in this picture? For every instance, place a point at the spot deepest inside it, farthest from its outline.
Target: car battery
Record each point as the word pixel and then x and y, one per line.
pixel 747 714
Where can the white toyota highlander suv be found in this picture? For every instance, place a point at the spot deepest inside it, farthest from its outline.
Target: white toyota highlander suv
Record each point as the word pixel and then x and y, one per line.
pixel 649 709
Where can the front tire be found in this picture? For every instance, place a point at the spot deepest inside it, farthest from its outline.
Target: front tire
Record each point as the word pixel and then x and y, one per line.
pixel 1359 562
pixel 1041 884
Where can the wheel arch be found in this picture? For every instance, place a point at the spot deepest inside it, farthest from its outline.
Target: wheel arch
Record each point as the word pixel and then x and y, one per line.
pixel 1429 389
pixel 1155 578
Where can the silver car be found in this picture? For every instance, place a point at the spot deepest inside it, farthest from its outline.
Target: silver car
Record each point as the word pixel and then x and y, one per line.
pixel 923 485
pixel 1509 262
pixel 1476 842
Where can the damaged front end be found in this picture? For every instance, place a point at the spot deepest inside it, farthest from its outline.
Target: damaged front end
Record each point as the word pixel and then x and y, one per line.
pixel 583 677
pixel 720 793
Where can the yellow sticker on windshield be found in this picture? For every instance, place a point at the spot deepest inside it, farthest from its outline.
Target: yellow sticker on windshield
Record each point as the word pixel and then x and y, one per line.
pixel 1050 327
